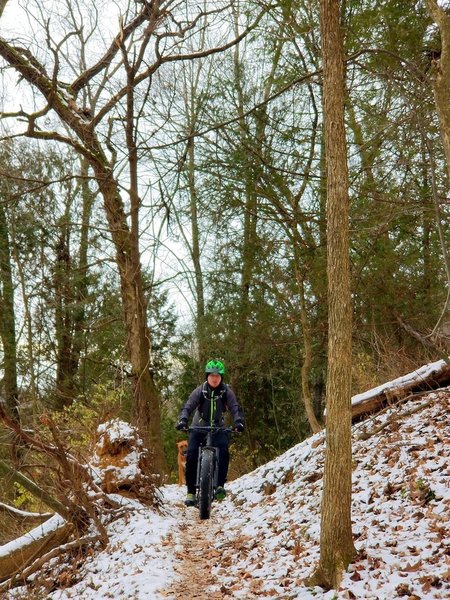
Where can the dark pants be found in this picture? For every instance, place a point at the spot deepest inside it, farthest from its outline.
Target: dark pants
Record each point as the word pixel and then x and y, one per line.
pixel 196 439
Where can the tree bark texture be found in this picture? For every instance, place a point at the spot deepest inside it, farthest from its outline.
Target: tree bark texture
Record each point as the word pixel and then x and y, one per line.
pixel 71 291
pixel 307 340
pixel 135 316
pixel 66 366
pixel 441 80
pixel 196 252
pixel 307 362
pixel 251 177
pixel 441 89
pixel 82 287
pixel 7 321
pixel 336 543
pixel 2 6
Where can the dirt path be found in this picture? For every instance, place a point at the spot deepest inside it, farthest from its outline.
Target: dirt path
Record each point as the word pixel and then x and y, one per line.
pixel 204 550
pixel 196 560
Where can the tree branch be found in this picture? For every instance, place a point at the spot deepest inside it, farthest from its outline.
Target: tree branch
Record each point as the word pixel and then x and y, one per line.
pixel 34 489
pixel 23 516
pixel 281 91
pixel 173 58
pixel 2 6
pixel 365 435
pixel 124 34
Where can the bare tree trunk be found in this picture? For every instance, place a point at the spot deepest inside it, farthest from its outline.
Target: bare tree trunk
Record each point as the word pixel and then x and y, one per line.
pixel 130 272
pixel 307 350
pixel 135 316
pixel 71 290
pixel 307 355
pixel 137 32
pixel 249 244
pixel 195 251
pixel 7 322
pixel 31 363
pixel 64 301
pixel 336 544
pixel 88 197
pixel 147 411
pixel 441 81
pixel 2 6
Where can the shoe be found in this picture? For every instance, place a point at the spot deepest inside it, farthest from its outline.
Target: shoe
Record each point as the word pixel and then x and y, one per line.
pixel 190 500
pixel 220 494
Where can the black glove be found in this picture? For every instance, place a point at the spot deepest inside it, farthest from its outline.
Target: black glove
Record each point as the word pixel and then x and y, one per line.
pixel 239 426
pixel 182 424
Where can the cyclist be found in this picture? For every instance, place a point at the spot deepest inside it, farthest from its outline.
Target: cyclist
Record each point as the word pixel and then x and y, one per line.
pixel 208 402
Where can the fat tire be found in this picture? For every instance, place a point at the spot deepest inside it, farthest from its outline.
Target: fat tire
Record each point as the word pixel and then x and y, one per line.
pixel 206 484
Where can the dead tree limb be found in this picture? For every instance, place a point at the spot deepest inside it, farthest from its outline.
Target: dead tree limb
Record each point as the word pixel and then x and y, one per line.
pixel 75 472
pixel 365 435
pixel 19 553
pixel 429 341
pixel 34 489
pixel 24 517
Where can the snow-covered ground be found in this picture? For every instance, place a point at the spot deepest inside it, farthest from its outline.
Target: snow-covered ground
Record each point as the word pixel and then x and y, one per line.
pixel 265 535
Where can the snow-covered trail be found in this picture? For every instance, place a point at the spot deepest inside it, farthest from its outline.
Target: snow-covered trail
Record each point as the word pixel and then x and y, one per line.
pixel 204 550
pixel 267 543
pixel 263 540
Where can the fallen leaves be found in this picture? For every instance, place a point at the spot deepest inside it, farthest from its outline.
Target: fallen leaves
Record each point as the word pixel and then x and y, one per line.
pixel 412 568
pixel 403 589
pixel 402 527
pixel 269 488
pixel 429 581
pixel 313 477
pixel 356 576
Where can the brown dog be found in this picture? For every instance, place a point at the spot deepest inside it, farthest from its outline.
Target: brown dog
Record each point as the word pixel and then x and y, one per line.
pixel 182 451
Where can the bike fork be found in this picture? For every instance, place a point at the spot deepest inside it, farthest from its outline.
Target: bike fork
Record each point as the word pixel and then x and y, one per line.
pixel 216 466
pixel 216 470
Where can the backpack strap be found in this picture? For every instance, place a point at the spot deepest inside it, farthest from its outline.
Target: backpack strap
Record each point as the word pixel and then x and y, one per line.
pixel 219 397
pixel 212 402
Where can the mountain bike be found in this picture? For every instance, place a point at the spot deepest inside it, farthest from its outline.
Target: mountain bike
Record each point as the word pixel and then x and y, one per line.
pixel 207 468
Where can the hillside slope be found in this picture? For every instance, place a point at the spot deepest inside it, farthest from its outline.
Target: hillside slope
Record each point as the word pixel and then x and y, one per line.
pixel 262 541
pixel 401 510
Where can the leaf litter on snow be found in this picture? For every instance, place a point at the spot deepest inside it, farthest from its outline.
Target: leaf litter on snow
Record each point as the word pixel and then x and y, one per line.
pixel 400 512
pixel 266 533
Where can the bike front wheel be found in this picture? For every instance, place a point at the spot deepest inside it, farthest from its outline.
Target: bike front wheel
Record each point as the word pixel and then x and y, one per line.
pixel 205 491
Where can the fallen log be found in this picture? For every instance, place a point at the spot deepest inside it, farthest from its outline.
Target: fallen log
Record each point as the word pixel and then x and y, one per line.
pixel 428 377
pixel 22 575
pixel 19 553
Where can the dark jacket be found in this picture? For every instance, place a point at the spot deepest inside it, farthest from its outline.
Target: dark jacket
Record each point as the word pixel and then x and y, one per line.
pixel 209 405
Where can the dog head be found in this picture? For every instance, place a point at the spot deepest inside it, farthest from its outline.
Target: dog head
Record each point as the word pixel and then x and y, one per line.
pixel 182 447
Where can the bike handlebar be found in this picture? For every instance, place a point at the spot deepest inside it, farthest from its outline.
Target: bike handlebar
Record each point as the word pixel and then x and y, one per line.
pixel 212 428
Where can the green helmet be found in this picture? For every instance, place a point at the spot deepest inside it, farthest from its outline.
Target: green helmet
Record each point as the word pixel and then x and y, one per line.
pixel 215 366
